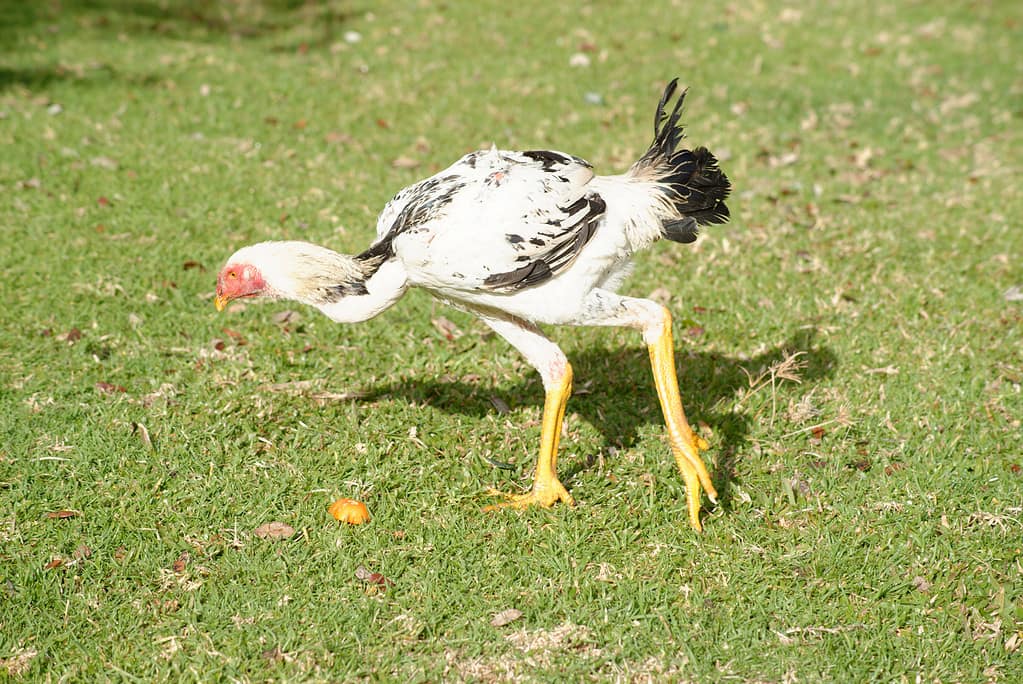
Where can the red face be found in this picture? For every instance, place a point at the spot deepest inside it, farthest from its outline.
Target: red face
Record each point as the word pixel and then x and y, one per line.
pixel 236 281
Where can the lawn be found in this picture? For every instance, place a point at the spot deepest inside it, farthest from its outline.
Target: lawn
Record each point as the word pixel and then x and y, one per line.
pixel 851 344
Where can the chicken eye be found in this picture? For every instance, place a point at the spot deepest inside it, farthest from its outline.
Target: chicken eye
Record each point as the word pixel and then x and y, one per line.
pixel 232 275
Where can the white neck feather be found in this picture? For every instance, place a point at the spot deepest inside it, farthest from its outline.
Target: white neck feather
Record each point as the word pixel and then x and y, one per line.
pixel 345 288
pixel 384 288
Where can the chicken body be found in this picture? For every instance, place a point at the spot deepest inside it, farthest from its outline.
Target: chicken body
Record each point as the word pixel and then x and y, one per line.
pixel 522 239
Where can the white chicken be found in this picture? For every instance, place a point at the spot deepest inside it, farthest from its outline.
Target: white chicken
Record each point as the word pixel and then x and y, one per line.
pixel 522 239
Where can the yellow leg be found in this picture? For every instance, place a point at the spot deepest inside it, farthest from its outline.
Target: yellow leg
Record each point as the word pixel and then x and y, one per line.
pixel 547 489
pixel 685 444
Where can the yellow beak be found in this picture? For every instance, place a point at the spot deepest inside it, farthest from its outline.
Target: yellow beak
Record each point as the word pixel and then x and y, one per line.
pixel 220 302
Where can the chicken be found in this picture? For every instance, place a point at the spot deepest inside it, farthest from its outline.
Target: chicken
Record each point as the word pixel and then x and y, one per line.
pixel 522 239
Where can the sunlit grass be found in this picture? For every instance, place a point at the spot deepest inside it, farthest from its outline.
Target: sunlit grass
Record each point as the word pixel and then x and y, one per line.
pixel 850 344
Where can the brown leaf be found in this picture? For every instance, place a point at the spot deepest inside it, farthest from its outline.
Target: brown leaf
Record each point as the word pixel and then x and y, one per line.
pixel 82 552
pixel 120 553
pixel 103 202
pixel 300 124
pixel 374 578
pixel 446 328
pixel 893 468
pixel 167 606
pixel 505 617
pixel 1015 468
pixel 62 515
pixel 181 563
pixel 861 159
pixel 274 530
pixel 338 137
pixel 818 433
pixel 661 295
pixel 862 465
pixel 235 335
pixel 382 124
pixel 190 264
pixel 72 335
pixel 108 388
pixel 286 317
pixel 404 162
pixel 377 578
pixel 55 563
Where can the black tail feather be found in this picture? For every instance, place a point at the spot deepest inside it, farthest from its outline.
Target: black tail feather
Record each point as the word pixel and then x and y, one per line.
pixel 695 184
pixel 667 131
pixel 685 230
pixel 699 187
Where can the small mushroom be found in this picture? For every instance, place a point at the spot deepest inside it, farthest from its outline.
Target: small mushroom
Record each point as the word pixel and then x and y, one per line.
pixel 349 511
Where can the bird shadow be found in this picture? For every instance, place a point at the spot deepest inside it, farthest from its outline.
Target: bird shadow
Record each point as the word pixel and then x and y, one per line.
pixel 614 393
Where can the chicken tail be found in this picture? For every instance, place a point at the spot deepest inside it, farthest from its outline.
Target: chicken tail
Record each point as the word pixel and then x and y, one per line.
pixel 692 186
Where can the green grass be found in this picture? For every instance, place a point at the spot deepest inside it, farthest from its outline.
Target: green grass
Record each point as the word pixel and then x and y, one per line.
pixel 870 527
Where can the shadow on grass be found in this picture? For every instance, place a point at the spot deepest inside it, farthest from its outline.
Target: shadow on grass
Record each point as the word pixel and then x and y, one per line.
pixel 99 75
pixel 180 19
pixel 618 398
pixel 142 20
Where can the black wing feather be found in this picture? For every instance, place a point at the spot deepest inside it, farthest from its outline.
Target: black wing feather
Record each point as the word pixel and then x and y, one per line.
pixel 564 248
